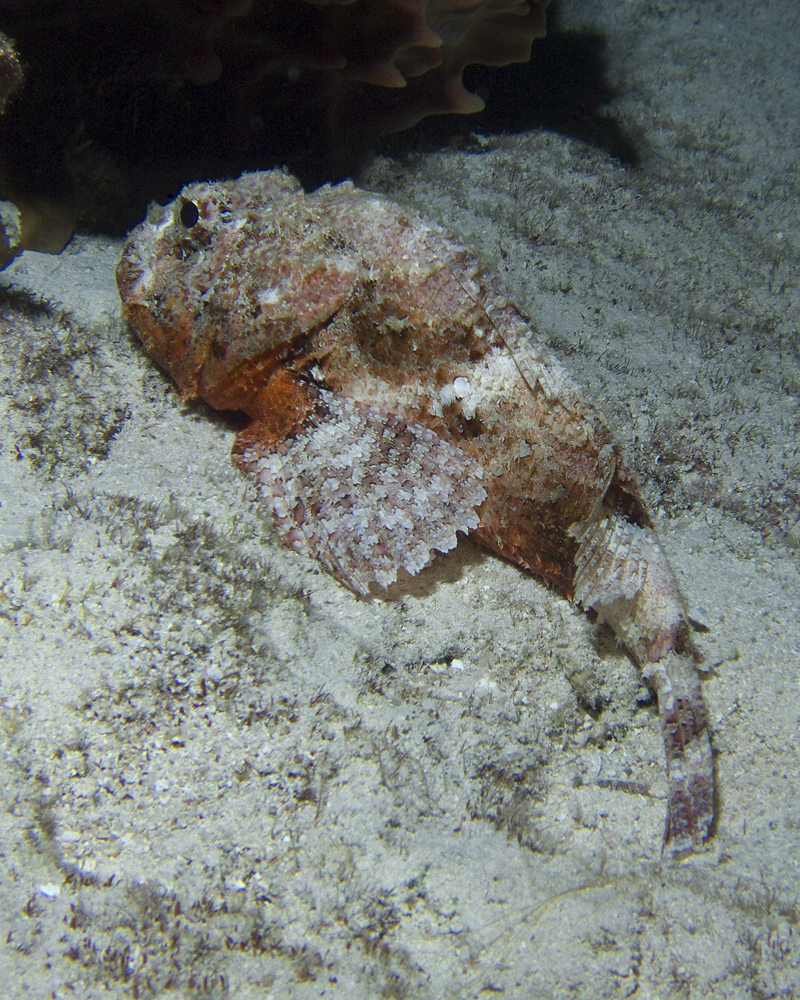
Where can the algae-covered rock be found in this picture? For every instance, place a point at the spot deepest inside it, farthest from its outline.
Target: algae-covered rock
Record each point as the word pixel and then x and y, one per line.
pixel 12 72
pixel 12 76
pixel 10 232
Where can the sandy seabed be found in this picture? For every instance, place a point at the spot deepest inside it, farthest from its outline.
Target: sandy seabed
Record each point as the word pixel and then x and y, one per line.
pixel 222 774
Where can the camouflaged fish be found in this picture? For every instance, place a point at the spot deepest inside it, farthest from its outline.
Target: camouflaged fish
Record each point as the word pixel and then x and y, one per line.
pixel 397 397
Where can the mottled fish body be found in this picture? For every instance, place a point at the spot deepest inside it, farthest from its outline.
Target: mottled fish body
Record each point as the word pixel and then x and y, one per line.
pixel 397 396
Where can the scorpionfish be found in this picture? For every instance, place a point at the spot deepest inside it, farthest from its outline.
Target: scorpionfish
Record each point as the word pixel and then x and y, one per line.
pixel 397 397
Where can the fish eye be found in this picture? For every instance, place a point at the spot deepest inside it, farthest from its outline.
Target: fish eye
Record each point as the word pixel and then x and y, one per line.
pixel 189 214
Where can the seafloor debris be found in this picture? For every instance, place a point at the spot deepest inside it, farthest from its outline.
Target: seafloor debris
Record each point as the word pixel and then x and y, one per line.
pixel 397 397
pixel 64 405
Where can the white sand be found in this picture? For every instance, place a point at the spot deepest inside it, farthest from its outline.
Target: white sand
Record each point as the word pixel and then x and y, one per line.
pixel 223 774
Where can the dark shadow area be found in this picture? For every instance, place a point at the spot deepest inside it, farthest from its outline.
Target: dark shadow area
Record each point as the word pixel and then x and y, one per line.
pixel 563 88
pixel 445 567
pixel 106 122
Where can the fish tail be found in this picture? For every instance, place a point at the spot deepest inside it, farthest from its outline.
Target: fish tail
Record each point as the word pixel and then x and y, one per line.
pixel 622 573
pixel 687 746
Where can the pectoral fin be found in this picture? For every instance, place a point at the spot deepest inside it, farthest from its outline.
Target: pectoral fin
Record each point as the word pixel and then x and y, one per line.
pixel 363 491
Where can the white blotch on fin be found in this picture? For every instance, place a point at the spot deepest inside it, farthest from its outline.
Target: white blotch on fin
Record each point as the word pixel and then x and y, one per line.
pixel 367 492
